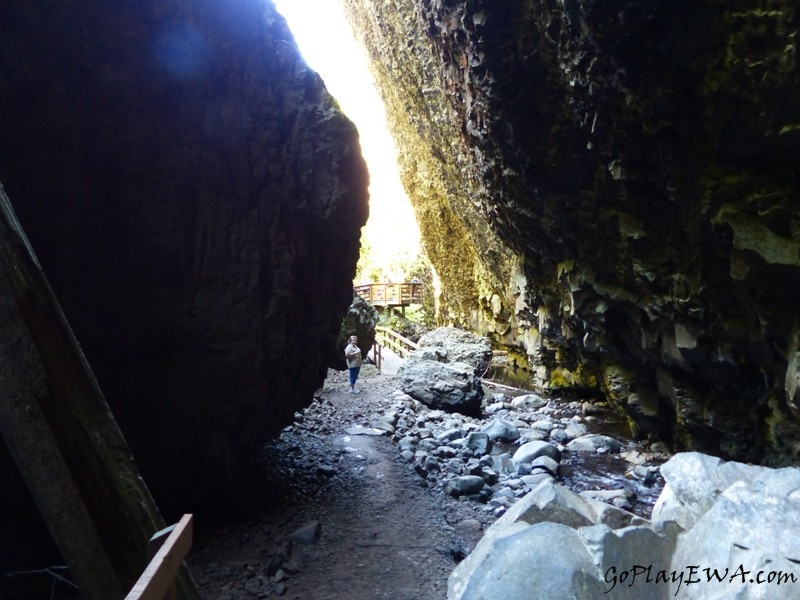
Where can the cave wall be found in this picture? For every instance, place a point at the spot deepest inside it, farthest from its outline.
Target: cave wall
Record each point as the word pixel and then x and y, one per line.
pixel 195 198
pixel 609 190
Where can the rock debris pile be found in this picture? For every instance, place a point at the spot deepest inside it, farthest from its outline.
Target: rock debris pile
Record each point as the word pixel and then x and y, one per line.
pixel 494 449
pixel 378 496
pixel 500 458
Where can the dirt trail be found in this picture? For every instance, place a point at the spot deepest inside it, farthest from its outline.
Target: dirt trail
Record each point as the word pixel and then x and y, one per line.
pixel 383 534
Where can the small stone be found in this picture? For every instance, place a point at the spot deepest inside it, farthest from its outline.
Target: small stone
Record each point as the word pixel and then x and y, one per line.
pixel 545 463
pixel 535 479
pixel 464 486
pixel 594 443
pixel 531 450
pixel 528 401
pixel 479 443
pixel 659 447
pixel 279 576
pixel 544 425
pixel 501 431
pixel 326 470
pixel 450 434
pixel 307 534
pixel 444 452
pixel 471 525
pixel 574 430
pixel 275 563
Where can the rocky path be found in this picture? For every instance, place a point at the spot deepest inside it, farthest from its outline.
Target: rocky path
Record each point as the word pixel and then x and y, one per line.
pixel 327 515
pixel 370 496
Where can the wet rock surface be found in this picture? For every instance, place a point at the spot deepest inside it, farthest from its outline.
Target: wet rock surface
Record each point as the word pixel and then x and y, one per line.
pixel 387 494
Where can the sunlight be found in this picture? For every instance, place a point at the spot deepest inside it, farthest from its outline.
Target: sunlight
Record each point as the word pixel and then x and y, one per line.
pixel 328 46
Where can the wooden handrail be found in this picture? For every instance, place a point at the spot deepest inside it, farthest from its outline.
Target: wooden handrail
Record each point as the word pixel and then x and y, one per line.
pixel 400 345
pixel 158 576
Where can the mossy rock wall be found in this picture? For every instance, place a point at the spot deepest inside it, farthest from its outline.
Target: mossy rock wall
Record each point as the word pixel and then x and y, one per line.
pixel 611 189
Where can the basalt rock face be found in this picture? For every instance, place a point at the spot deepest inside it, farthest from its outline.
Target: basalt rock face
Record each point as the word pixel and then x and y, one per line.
pixel 195 198
pixel 610 191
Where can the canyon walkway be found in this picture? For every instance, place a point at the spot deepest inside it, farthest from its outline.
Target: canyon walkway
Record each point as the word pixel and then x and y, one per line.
pixel 382 534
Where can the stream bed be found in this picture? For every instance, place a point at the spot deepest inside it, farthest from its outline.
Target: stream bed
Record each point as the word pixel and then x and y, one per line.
pixel 633 469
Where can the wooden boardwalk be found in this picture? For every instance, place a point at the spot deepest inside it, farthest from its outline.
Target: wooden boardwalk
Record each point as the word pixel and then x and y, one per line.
pixel 391 294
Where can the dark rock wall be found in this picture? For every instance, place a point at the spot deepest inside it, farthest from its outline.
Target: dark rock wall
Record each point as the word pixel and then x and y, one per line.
pixel 610 190
pixel 195 198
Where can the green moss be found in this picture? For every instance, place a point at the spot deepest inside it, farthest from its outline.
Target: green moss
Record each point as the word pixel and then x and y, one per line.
pixel 564 379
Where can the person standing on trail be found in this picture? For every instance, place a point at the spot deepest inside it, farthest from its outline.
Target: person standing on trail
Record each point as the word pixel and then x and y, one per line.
pixel 353 355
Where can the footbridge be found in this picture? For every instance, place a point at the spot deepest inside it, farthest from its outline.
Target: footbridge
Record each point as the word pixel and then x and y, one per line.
pixel 391 295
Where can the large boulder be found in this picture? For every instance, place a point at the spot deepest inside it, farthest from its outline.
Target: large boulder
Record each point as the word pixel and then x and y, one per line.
pixel 451 345
pixel 563 546
pixel 549 558
pixel 749 536
pixel 739 520
pixel 195 198
pixel 445 371
pixel 737 538
pixel 450 387
pixel 693 482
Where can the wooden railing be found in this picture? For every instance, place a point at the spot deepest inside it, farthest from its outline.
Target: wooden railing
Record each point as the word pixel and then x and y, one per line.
pixel 170 546
pixel 391 294
pixel 394 341
pixel 377 354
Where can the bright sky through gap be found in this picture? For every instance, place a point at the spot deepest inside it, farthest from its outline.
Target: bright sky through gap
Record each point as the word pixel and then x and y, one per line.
pixel 328 46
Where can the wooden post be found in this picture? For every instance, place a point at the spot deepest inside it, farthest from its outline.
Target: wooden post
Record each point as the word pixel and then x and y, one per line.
pixel 377 355
pixel 63 436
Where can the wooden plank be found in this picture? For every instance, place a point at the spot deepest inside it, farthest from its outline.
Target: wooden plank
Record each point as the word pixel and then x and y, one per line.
pixel 159 575
pixel 62 435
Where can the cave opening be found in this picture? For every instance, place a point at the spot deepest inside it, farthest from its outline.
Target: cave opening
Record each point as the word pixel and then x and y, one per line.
pixel 390 240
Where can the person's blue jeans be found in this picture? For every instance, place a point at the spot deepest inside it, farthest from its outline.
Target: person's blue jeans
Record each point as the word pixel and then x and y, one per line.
pixel 353 375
